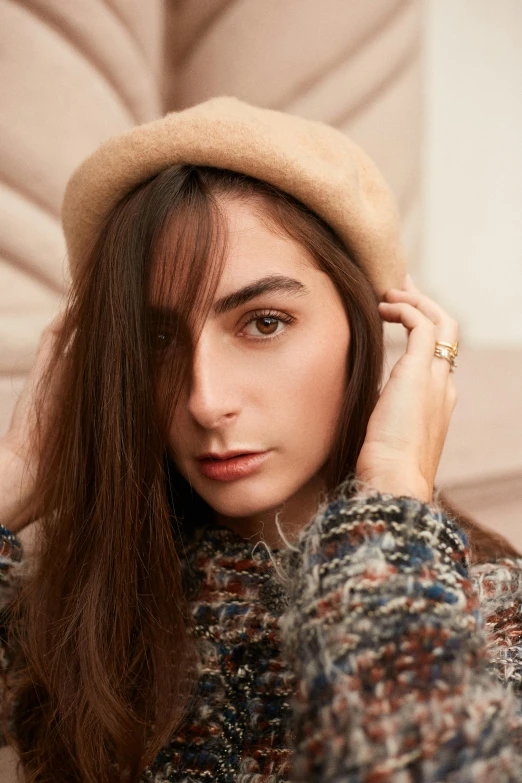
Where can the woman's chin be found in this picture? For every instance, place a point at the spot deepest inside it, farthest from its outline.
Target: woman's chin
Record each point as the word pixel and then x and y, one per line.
pixel 243 498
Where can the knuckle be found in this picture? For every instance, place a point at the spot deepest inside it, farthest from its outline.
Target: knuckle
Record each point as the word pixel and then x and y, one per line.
pixel 52 329
pixel 429 326
pixel 454 324
pixel 45 337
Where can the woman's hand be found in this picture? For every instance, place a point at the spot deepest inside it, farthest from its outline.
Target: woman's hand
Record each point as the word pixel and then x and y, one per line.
pixel 408 426
pixel 19 448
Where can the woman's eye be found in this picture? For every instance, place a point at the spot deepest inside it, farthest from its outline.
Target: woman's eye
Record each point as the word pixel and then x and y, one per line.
pixel 161 341
pixel 266 325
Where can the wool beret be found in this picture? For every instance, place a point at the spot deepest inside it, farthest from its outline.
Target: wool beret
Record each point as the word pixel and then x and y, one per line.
pixel 317 164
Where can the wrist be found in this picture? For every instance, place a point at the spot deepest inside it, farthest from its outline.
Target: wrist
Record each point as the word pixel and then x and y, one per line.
pixel 400 486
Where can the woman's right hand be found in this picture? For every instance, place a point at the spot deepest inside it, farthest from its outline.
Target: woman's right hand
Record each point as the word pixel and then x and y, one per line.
pixel 19 448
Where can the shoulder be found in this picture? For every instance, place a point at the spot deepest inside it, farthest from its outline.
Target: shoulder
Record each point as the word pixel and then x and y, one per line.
pixel 498 586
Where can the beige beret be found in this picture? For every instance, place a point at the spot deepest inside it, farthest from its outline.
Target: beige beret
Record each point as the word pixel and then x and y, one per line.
pixel 313 162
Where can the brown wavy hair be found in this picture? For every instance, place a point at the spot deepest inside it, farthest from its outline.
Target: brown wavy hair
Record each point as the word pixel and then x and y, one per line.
pixel 100 635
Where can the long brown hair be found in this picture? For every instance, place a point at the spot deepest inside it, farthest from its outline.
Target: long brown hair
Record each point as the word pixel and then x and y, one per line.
pixel 101 631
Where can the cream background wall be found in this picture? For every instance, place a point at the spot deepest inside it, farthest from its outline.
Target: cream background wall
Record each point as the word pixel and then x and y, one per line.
pixel 471 256
pixel 472 183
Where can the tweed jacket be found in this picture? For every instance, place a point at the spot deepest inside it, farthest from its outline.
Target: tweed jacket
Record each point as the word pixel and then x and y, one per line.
pixel 367 651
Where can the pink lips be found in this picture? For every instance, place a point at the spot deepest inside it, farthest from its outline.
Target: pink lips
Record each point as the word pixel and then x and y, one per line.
pixel 223 468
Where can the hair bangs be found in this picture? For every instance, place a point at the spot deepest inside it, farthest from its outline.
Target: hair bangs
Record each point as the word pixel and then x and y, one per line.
pixel 184 265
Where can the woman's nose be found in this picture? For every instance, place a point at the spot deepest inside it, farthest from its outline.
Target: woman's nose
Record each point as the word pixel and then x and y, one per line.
pixel 213 394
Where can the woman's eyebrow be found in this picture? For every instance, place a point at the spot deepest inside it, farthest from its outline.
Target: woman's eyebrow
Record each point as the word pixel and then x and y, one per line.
pixel 265 285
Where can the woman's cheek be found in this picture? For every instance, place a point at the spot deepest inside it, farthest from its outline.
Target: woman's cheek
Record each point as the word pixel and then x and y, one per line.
pixel 325 385
pixel 312 381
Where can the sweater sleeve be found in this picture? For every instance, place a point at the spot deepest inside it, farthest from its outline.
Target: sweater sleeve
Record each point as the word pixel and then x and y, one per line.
pixel 10 563
pixel 396 681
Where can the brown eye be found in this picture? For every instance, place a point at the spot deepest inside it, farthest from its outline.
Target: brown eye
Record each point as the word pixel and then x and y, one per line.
pixel 160 341
pixel 267 325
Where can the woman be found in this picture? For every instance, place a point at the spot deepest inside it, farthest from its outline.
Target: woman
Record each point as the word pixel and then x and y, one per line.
pixel 241 572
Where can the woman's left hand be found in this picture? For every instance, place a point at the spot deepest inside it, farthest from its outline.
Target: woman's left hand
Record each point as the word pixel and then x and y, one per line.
pixel 408 426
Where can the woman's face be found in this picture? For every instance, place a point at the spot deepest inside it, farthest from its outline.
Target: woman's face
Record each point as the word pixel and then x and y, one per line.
pixel 267 378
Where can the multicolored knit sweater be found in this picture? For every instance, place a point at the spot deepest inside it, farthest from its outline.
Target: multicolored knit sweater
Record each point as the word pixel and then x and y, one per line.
pixel 368 650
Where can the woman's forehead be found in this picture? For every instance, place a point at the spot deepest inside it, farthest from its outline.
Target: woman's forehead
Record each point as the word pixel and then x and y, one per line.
pixel 247 249
pixel 255 249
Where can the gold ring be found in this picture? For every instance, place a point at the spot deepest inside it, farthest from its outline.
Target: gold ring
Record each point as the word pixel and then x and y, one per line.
pixel 448 352
pixel 454 347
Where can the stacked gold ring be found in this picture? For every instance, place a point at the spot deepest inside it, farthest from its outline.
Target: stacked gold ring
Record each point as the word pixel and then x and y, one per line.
pixel 449 352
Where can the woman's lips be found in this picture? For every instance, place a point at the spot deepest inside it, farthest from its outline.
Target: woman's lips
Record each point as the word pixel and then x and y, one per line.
pixel 233 467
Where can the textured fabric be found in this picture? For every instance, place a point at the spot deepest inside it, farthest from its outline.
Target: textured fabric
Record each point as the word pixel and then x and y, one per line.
pixel 10 563
pixel 313 162
pixel 368 652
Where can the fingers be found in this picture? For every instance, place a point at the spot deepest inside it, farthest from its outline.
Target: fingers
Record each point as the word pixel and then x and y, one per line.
pixel 417 402
pixel 445 329
pixel 421 340
pixel 427 323
pixel 44 355
pixel 46 346
pixel 428 307
pixel 431 310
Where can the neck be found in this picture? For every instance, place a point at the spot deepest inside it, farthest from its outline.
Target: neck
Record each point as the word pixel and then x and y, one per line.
pixel 289 517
